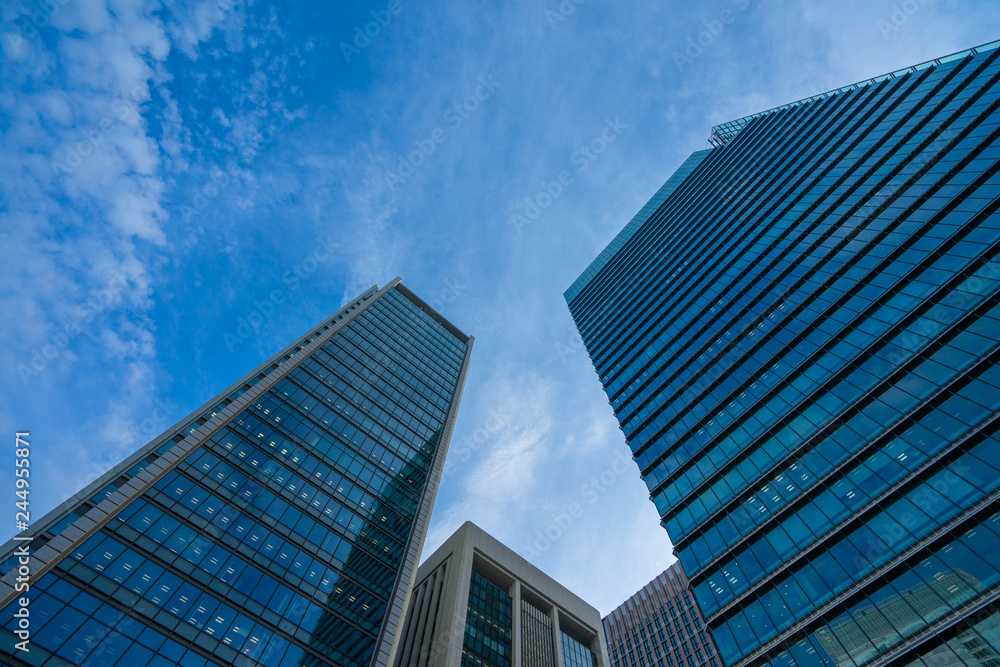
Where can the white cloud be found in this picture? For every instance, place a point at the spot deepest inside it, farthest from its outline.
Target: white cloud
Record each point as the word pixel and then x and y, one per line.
pixel 492 470
pixel 71 234
pixel 193 23
pixel 85 220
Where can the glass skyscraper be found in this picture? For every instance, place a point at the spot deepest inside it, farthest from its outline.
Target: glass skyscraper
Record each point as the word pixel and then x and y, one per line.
pixel 800 342
pixel 280 524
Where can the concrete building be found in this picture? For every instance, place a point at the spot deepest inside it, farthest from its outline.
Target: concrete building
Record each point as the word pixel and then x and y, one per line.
pixel 660 625
pixel 477 603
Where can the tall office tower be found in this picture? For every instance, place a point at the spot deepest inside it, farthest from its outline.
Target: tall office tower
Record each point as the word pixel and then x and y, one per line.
pixel 279 524
pixel 478 604
pixel 660 625
pixel 800 344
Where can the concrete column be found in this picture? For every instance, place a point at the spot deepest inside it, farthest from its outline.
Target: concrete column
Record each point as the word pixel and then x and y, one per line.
pixel 515 623
pixel 557 637
pixel 600 648
pixel 425 638
pixel 416 618
pixel 461 574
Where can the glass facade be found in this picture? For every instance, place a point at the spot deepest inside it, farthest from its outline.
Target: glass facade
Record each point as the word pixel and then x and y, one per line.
pixel 282 536
pixel 637 221
pixel 660 625
pixel 536 637
pixel 488 627
pixel 576 654
pixel 801 345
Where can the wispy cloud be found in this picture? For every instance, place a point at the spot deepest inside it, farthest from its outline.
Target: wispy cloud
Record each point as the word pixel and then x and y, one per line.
pixel 89 225
pixel 166 163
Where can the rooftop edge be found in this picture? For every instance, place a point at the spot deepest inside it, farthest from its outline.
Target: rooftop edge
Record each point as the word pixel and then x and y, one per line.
pixel 724 133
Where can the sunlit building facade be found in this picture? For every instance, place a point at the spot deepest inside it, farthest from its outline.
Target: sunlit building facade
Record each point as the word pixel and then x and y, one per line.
pixel 279 524
pixel 800 343
pixel 660 625
pixel 476 603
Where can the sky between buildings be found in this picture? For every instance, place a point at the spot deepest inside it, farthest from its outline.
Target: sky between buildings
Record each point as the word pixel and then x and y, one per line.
pixel 187 187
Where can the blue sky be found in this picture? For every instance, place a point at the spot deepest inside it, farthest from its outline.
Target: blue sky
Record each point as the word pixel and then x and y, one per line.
pixel 171 168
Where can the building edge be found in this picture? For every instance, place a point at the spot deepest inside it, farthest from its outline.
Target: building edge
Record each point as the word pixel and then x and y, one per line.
pixel 723 133
pixel 401 598
pixel 199 430
pixel 441 631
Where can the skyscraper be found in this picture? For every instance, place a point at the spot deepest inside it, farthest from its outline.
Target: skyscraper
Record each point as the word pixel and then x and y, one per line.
pixel 800 344
pixel 279 524
pixel 660 625
pixel 476 603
